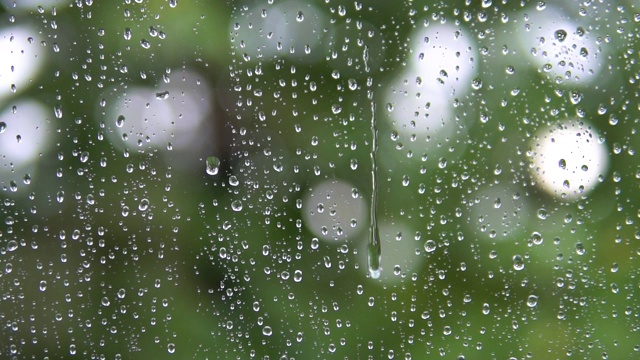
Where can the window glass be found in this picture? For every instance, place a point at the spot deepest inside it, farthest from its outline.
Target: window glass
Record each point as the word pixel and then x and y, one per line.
pixel 306 179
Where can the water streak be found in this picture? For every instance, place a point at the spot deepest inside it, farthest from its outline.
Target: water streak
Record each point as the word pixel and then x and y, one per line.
pixel 374 248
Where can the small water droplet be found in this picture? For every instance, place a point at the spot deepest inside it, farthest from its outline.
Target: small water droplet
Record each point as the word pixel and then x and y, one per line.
pixel 144 205
pixel 562 164
pixel 430 246
pixel 120 121
pixel 542 213
pixel 163 95
pixel 584 52
pixel 300 16
pixel 532 301
pixel 236 205
pixel 267 331
pixel 212 165
pixel 560 35
pixel 518 262
pixel 57 110
pixel 145 44
pixel 12 245
pixel 536 238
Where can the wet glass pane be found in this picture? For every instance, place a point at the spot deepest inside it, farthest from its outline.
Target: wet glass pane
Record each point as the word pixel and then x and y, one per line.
pixel 319 179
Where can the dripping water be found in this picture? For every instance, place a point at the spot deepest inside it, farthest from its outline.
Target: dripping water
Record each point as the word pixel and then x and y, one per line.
pixel 373 248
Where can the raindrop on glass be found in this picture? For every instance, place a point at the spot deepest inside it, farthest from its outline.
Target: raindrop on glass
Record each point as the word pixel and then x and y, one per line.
pixel 212 165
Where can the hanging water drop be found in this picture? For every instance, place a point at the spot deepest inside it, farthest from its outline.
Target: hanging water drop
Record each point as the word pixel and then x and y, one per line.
pixel 374 249
pixel 212 165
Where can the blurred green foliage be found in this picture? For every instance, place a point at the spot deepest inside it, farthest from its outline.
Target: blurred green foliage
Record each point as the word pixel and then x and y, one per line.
pixel 226 266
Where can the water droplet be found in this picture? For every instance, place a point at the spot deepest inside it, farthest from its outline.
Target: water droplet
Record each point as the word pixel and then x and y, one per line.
pixel 43 285
pixel 145 44
pixel 57 110
pixel 300 16
pixel 536 238
pixel 584 52
pixel 120 121
pixel 267 331
pixel 476 84
pixel 3 126
pixel 297 276
pixel 430 246
pixel 532 301
pixel 173 3
pixel 12 245
pixel 233 180
pixel 542 213
pixel 236 205
pixel 561 35
pixel 212 165
pixel 171 348
pixel 163 95
pixel 518 262
pixel 486 309
pixel 562 164
pixel 144 205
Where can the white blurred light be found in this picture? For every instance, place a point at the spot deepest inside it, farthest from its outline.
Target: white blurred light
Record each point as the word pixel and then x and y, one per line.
pixel 292 28
pixel 152 117
pixel 24 133
pixel 568 159
pixel 561 47
pixel 443 58
pixel 331 212
pixel 440 69
pixel 22 58
pixel 417 111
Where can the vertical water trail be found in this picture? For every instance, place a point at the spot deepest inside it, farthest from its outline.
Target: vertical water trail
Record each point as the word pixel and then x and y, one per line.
pixel 373 248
